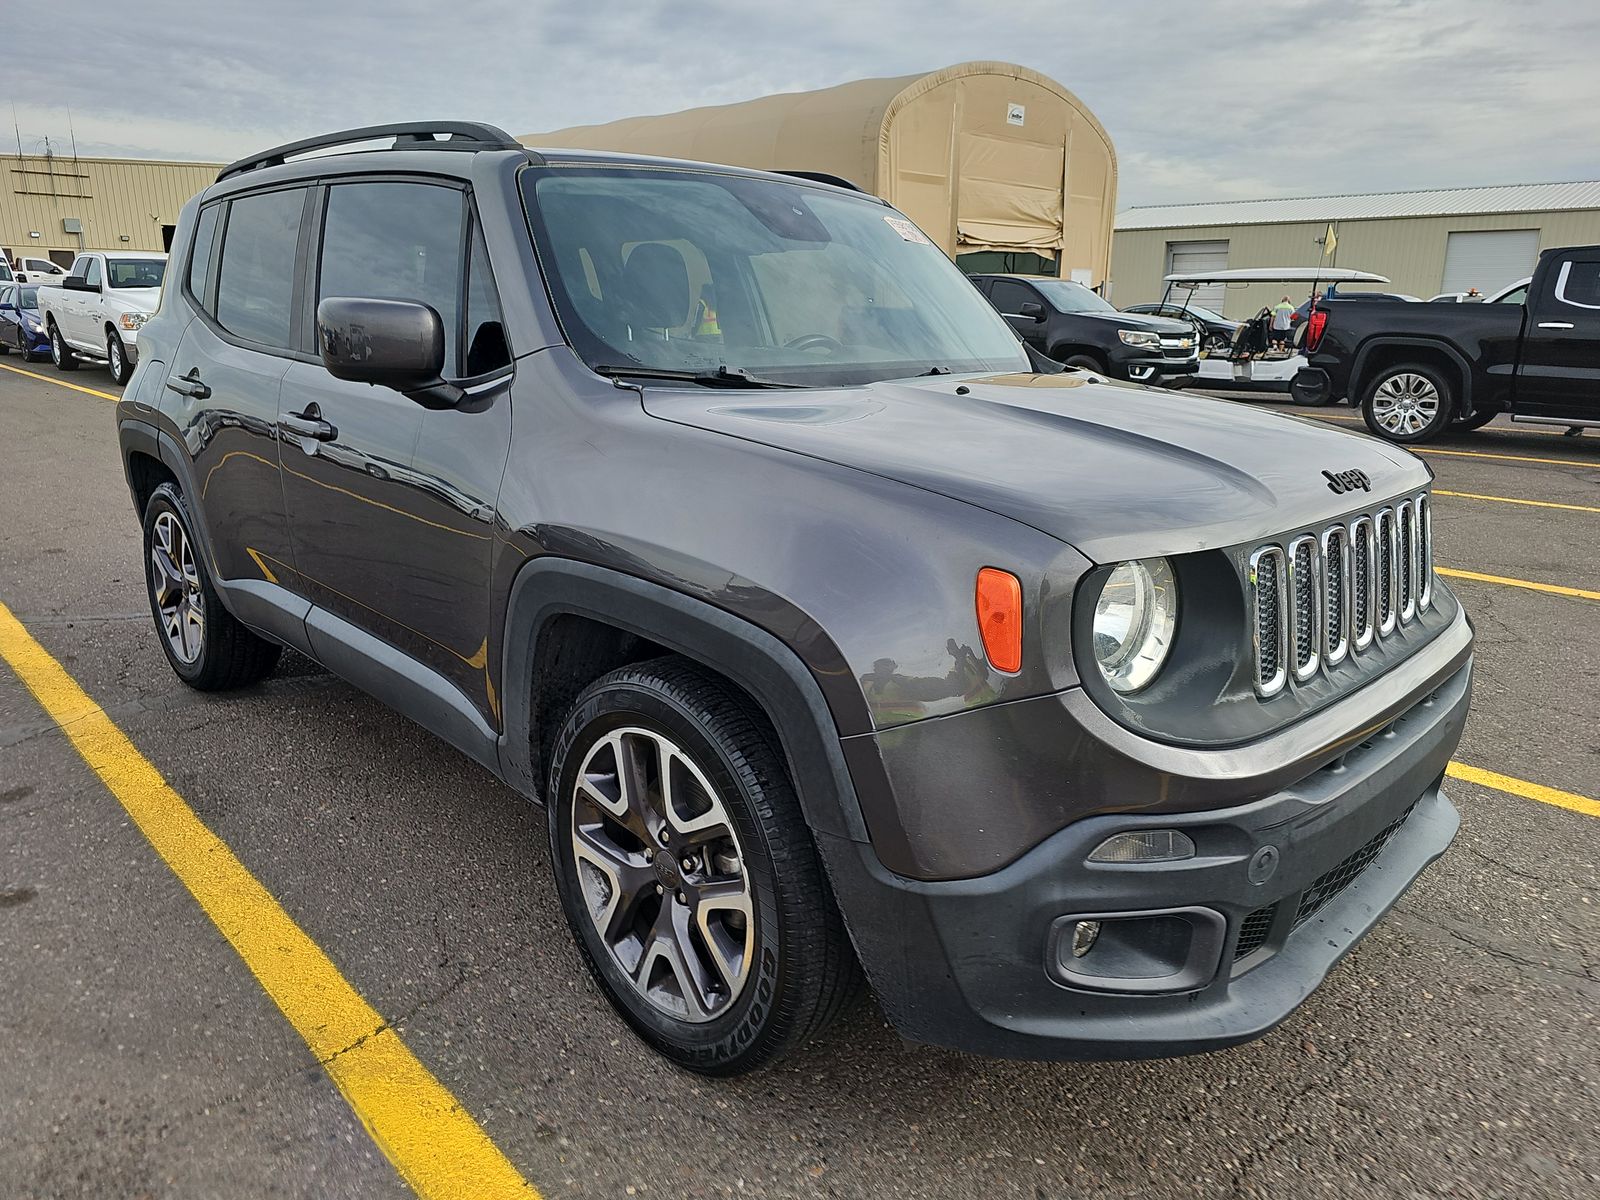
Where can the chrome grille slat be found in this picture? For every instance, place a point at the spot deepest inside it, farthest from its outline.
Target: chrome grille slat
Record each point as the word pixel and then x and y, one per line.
pixel 1318 598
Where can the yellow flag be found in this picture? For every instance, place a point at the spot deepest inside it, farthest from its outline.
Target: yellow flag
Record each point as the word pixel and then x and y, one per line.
pixel 1330 242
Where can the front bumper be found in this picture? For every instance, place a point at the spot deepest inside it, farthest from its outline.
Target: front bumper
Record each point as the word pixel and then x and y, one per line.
pixel 1159 368
pixel 1282 887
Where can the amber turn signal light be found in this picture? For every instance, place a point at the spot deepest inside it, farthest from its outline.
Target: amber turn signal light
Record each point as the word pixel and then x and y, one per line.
pixel 999 598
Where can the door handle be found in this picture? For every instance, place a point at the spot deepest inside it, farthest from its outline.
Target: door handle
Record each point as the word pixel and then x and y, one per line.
pixel 189 385
pixel 309 424
pixel 1555 324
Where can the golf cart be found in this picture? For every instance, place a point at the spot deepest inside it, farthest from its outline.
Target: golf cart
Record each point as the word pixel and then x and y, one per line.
pixel 1249 362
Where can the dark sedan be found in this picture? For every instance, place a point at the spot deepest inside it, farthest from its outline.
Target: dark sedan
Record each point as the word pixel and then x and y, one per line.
pixel 20 327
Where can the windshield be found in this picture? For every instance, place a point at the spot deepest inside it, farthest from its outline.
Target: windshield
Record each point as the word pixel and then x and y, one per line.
pixel 135 272
pixel 1068 297
pixel 27 297
pixel 694 272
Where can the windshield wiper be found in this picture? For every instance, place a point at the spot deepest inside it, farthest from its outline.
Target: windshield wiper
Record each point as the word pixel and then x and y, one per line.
pixel 720 376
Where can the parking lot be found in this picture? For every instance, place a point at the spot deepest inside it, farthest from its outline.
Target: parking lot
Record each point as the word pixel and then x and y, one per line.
pixel 1454 1053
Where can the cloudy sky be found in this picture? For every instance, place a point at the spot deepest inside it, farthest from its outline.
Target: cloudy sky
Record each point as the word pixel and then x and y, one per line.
pixel 1205 99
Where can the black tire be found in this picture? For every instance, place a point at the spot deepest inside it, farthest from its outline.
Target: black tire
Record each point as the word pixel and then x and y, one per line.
pixel 1085 362
pixel 117 358
pixel 801 972
pixel 229 655
pixel 1476 421
pixel 5 350
pixel 59 352
pixel 1383 399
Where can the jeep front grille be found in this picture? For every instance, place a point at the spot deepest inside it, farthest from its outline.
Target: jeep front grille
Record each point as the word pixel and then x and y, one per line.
pixel 1319 598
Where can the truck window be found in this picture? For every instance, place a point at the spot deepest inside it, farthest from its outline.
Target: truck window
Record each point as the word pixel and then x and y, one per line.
pixel 1514 296
pixel 396 241
pixel 1009 296
pixel 91 272
pixel 135 272
pixel 255 285
pixel 1578 284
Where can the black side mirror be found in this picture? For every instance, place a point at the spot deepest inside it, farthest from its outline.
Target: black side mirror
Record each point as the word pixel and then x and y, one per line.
pixel 1031 310
pixel 395 344
pixel 77 283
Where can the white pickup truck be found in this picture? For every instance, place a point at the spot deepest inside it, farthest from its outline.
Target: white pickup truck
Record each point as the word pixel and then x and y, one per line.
pixel 96 312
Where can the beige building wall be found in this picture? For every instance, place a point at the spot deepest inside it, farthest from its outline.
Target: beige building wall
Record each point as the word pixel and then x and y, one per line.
pixel 1409 250
pixel 120 203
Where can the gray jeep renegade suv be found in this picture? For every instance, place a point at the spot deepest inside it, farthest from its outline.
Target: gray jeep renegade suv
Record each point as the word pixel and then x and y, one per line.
pixel 719 512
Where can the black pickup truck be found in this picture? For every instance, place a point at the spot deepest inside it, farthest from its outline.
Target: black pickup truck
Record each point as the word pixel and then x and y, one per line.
pixel 1418 369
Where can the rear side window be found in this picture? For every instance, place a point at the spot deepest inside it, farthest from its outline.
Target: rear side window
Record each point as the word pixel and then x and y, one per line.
pixel 200 257
pixel 396 241
pixel 255 287
pixel 1578 284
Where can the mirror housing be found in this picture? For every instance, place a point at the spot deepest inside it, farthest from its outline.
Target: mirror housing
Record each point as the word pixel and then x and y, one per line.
pixel 1031 310
pixel 395 344
pixel 77 283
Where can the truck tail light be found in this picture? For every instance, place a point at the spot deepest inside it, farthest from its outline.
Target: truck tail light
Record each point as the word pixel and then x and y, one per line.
pixel 1315 324
pixel 999 601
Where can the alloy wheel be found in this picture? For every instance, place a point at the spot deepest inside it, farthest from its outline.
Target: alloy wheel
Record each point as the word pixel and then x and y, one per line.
pixel 175 579
pixel 114 355
pixel 1405 403
pixel 662 874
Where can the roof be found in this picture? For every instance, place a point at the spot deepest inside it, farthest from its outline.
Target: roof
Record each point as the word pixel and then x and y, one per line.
pixel 1438 202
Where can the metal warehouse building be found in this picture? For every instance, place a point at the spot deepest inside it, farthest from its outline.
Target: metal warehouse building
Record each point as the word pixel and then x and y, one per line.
pixel 1447 240
pixel 54 206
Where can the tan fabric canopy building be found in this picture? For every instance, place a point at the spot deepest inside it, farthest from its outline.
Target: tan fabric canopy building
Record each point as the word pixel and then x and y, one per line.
pixel 996 163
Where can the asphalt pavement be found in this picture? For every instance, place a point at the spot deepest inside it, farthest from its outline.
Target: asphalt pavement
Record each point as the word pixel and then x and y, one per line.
pixel 1454 1053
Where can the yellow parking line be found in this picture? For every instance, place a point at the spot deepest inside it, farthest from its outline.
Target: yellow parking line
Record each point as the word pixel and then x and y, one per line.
pixel 434 1144
pixel 1592 464
pixel 1521 787
pixel 1513 500
pixel 1554 589
pixel 76 387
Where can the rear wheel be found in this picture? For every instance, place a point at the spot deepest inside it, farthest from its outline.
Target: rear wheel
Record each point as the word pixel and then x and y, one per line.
pixel 208 649
pixel 117 358
pixel 687 873
pixel 1408 403
pixel 59 353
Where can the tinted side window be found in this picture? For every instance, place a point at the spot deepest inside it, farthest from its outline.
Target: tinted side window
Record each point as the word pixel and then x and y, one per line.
pixel 91 272
pixel 255 290
pixel 486 333
pixel 396 241
pixel 1008 297
pixel 200 258
pixel 1578 284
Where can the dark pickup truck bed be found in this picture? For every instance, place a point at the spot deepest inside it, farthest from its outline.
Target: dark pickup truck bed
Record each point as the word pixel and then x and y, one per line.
pixel 1419 369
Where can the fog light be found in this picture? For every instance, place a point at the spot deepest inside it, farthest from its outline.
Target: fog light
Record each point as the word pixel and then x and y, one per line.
pixel 1145 846
pixel 1083 935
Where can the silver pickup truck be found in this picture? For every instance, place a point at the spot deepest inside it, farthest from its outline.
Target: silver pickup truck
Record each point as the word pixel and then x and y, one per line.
pixel 97 310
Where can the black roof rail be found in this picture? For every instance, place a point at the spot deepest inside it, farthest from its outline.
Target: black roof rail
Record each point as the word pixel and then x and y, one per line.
pixel 408 135
pixel 823 177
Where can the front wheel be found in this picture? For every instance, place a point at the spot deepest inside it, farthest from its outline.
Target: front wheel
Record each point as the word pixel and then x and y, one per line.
pixel 1408 404
pixel 1084 362
pixel 59 352
pixel 117 358
pixel 687 873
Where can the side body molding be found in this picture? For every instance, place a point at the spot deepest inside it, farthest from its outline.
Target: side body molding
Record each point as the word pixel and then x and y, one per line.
pixel 755 660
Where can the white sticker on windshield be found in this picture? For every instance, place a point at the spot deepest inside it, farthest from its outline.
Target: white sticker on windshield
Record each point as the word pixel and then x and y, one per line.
pixel 907 230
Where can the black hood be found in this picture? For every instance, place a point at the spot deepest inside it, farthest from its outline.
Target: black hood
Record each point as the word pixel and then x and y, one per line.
pixel 1116 471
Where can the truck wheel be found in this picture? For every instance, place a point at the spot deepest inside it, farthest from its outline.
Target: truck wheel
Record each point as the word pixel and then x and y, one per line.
pixel 59 353
pixel 687 873
pixel 1408 403
pixel 117 358
pixel 1084 362
pixel 208 649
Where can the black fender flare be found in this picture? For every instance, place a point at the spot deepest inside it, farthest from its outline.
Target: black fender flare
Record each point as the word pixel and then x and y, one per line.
pixel 768 670
pixel 1358 381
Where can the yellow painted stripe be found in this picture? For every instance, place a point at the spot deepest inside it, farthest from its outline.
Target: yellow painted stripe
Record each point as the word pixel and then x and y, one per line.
pixel 1555 589
pixel 1592 464
pixel 1521 787
pixel 1514 500
pixel 431 1140
pixel 76 387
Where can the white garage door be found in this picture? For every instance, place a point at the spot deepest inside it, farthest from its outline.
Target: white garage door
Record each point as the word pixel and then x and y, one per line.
pixel 1189 258
pixel 1488 259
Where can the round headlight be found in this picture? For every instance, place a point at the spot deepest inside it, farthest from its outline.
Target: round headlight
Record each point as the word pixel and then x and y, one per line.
pixel 1133 622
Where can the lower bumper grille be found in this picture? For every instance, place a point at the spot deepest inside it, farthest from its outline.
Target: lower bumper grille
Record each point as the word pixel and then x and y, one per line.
pixel 1257 927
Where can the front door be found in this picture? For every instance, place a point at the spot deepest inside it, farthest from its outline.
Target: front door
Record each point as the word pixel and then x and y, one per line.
pixel 391 505
pixel 1559 375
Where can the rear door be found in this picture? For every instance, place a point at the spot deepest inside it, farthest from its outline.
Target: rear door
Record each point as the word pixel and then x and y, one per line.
pixel 1559 374
pixel 392 505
